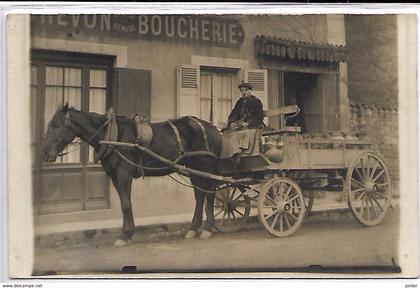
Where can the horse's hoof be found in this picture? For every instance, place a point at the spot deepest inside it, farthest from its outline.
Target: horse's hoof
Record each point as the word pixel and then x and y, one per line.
pixel 190 234
pixel 205 235
pixel 122 242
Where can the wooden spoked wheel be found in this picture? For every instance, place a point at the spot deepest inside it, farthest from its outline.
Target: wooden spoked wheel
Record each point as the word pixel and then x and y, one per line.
pixel 308 195
pixel 231 209
pixel 281 206
pixel 369 188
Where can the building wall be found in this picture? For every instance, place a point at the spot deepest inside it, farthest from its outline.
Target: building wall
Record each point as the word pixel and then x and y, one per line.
pixel 153 197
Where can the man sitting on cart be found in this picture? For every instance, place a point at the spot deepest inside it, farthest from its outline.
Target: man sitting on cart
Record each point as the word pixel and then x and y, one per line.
pixel 248 110
pixel 242 134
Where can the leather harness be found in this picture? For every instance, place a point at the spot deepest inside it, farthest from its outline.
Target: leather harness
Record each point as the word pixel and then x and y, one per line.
pixel 145 135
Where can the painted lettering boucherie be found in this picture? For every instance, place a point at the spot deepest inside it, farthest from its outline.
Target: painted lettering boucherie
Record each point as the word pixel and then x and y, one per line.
pixel 213 30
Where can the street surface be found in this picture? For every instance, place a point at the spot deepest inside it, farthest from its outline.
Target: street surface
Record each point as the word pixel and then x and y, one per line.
pixel 326 240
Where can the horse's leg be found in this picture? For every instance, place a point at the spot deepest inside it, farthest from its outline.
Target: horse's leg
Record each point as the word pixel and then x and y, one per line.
pixel 209 224
pixel 198 212
pixel 122 183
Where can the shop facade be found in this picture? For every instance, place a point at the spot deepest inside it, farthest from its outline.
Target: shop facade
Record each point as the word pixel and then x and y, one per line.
pixel 162 67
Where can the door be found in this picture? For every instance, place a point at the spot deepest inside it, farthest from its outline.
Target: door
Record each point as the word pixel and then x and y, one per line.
pixel 73 182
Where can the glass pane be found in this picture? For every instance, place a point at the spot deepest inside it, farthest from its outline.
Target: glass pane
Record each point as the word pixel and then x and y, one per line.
pixel 205 109
pixel 72 77
pixel 97 78
pixel 73 97
pixel 53 75
pixel 223 93
pixel 97 101
pixel 53 98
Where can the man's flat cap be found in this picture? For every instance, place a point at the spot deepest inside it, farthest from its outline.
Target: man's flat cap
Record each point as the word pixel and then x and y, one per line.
pixel 245 85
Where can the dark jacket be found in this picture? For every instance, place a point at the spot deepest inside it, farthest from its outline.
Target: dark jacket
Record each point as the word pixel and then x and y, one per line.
pixel 249 110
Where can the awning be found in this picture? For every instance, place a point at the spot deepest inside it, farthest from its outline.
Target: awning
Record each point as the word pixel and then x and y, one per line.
pixel 298 50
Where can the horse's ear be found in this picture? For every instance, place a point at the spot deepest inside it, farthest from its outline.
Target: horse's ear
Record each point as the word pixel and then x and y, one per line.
pixel 65 107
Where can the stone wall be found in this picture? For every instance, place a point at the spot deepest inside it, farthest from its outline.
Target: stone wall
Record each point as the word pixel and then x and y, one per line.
pixel 380 125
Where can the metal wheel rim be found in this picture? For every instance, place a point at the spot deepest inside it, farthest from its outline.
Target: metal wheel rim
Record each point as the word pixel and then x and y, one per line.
pixel 281 215
pixel 369 188
pixel 233 209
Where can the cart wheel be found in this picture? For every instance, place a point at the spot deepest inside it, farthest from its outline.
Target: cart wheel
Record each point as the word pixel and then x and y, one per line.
pixel 281 206
pixel 369 188
pixel 231 209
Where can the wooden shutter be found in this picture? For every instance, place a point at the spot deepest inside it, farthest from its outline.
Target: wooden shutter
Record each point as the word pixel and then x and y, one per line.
pixel 258 79
pixel 188 90
pixel 330 95
pixel 132 91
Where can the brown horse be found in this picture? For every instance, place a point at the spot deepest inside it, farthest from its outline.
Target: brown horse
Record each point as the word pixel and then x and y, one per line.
pixel 68 123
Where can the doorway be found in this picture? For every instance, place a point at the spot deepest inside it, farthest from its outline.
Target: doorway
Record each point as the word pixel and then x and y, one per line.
pixel 301 89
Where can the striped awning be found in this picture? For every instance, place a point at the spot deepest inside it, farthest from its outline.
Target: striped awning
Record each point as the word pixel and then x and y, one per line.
pixel 298 50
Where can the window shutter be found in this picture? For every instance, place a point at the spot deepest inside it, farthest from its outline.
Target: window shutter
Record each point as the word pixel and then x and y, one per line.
pixel 188 90
pixel 132 92
pixel 258 79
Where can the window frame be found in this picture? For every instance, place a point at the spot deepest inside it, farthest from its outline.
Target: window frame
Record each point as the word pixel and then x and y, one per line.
pixel 214 99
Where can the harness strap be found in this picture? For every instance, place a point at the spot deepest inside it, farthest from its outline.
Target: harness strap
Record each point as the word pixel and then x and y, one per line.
pixel 206 140
pixel 178 139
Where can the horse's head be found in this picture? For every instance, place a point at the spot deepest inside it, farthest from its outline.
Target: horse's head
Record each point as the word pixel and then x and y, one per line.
pixel 59 134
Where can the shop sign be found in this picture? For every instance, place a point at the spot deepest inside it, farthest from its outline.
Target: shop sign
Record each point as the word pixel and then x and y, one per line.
pixel 211 30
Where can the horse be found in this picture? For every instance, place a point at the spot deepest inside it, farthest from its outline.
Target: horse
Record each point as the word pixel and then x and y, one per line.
pixel 167 141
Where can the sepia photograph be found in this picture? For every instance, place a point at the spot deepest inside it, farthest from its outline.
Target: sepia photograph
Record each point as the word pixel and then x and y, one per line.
pixel 214 145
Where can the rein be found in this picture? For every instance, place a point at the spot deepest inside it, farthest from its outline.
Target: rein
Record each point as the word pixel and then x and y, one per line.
pixel 166 168
pixel 67 123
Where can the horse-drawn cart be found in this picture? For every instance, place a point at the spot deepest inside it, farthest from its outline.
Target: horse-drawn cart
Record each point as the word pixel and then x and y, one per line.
pixel 279 179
